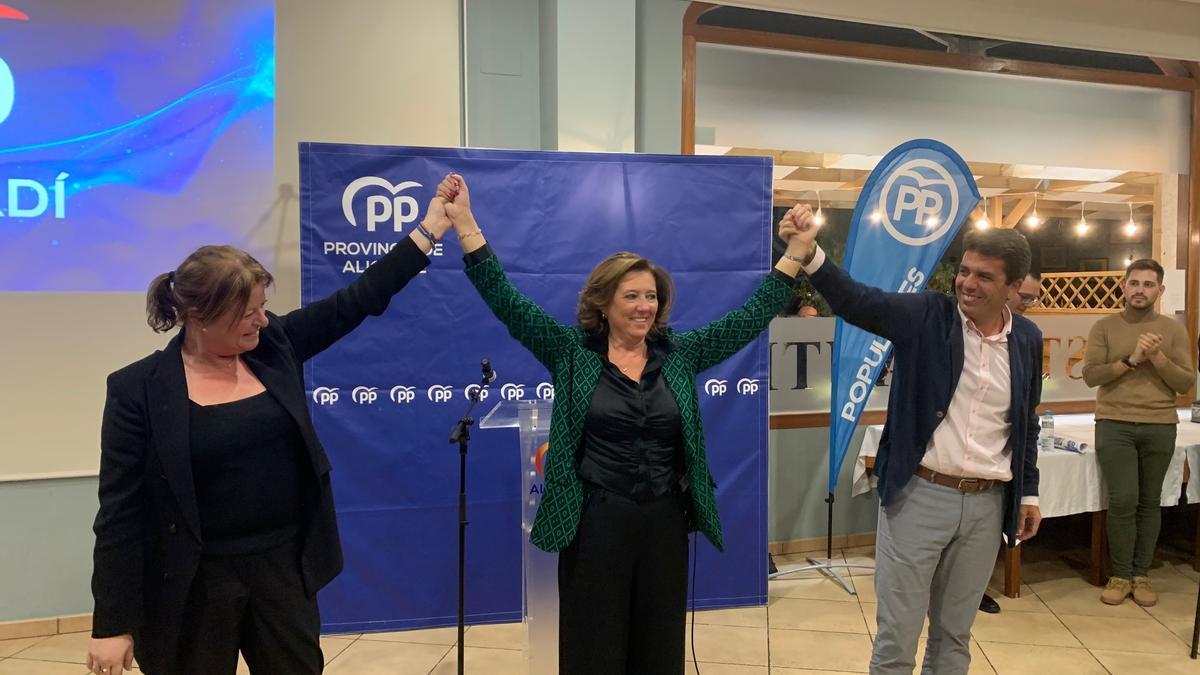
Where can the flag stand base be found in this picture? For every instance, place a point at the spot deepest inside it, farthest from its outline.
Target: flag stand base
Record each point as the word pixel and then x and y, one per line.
pixel 826 567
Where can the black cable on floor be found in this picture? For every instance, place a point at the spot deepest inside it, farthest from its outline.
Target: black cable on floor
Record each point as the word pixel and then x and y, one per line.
pixel 695 662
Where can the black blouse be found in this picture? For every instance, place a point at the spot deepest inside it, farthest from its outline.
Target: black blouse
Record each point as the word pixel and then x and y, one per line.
pixel 633 435
pixel 247 467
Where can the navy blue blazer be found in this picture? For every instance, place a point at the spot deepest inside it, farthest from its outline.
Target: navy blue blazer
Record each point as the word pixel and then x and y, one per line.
pixel 148 544
pixel 926 333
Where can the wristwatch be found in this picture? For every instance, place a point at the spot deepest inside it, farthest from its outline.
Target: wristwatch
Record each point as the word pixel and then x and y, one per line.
pixel 1130 364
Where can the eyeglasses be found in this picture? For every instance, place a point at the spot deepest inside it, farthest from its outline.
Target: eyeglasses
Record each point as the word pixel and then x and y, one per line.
pixel 1029 299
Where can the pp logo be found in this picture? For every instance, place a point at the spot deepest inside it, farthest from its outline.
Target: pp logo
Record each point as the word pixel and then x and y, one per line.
pixel 439 393
pixel 545 391
pixel 747 386
pixel 398 208
pixel 919 202
pixel 402 394
pixel 364 395
pixel 325 395
pixel 472 389
pixel 512 392
pixel 716 387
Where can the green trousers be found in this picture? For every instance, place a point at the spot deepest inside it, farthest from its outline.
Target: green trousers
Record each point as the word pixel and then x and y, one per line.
pixel 1134 458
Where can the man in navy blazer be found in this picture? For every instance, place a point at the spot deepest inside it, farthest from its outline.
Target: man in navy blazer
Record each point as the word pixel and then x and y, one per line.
pixel 957 463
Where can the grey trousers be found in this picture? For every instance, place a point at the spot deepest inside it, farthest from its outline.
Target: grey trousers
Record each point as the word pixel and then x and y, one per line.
pixel 934 554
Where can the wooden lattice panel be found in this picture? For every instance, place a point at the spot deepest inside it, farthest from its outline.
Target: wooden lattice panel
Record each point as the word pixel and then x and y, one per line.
pixel 1081 292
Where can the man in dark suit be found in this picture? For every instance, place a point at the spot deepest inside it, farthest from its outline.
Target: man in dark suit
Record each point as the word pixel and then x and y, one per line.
pixel 957 462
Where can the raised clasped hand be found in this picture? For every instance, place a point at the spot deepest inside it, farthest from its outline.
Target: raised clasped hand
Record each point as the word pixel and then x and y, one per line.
pixel 453 189
pixel 799 229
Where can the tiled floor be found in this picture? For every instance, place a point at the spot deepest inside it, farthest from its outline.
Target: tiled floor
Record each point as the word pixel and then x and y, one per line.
pixel 810 626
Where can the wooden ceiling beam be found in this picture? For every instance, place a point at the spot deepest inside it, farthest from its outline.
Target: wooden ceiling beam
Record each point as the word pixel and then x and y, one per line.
pixel 739 37
pixel 1171 67
pixel 1018 212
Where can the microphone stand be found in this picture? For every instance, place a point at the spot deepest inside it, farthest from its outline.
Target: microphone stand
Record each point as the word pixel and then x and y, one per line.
pixel 461 434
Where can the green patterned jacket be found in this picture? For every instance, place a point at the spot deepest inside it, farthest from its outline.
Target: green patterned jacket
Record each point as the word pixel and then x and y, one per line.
pixel 575 370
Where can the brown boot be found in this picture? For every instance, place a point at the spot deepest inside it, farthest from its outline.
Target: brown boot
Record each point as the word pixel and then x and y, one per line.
pixel 1143 593
pixel 1116 591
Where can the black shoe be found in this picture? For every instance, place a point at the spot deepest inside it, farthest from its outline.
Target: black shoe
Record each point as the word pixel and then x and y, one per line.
pixel 987 604
pixel 771 568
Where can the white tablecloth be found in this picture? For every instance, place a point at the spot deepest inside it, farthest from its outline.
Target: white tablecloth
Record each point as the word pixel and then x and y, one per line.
pixel 1071 482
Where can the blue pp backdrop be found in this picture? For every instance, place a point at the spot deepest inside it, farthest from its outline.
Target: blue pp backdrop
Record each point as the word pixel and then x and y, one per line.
pixel 384 398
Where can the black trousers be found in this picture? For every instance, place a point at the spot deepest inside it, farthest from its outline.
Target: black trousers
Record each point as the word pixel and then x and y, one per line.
pixel 622 588
pixel 254 604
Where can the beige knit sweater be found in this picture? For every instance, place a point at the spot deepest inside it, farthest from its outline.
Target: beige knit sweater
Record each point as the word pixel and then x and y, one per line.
pixel 1146 393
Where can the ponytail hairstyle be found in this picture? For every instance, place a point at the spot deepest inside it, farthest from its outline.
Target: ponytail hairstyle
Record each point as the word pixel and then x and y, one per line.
pixel 212 281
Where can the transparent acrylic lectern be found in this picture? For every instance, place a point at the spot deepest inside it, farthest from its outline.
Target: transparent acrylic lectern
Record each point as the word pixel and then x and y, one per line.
pixel 540 578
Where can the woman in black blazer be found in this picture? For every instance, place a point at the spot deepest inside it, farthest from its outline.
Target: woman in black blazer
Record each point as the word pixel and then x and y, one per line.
pixel 216 525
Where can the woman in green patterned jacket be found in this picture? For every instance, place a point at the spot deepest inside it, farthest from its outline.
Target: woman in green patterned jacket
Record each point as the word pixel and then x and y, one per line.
pixel 626 473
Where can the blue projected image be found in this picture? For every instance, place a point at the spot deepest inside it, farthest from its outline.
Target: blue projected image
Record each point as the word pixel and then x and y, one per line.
pixel 130 134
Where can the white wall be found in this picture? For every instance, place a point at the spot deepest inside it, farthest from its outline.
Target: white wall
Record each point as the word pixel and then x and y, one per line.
pixel 595 74
pixel 767 99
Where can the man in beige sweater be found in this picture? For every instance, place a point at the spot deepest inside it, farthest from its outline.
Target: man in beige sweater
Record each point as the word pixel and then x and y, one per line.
pixel 1140 359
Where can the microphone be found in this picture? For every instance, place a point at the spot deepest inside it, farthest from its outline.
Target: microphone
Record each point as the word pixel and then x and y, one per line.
pixel 489 375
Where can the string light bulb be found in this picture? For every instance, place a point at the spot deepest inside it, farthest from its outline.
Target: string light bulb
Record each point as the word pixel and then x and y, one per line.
pixel 981 223
pixel 1082 227
pixel 819 216
pixel 1033 220
pixel 1130 227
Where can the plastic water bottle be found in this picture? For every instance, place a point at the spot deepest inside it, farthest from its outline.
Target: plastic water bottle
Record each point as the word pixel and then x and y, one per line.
pixel 1046 437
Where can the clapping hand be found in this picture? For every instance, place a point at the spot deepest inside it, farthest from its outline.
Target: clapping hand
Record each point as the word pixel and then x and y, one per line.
pixel 1150 342
pixel 1148 345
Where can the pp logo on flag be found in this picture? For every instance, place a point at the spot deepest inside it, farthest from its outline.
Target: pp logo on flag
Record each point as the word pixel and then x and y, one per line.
pixel 918 202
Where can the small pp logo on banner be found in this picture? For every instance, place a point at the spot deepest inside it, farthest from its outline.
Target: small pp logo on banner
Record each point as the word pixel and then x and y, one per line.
pixel 472 389
pixel 919 202
pixel 545 391
pixel 747 386
pixel 439 393
pixel 512 392
pixel 401 394
pixel 325 395
pixel 364 395
pixel 716 387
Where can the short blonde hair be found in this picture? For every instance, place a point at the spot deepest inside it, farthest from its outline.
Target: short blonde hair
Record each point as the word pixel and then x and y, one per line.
pixel 602 285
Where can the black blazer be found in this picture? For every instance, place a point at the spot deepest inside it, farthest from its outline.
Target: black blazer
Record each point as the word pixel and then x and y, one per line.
pixel 926 334
pixel 148 542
